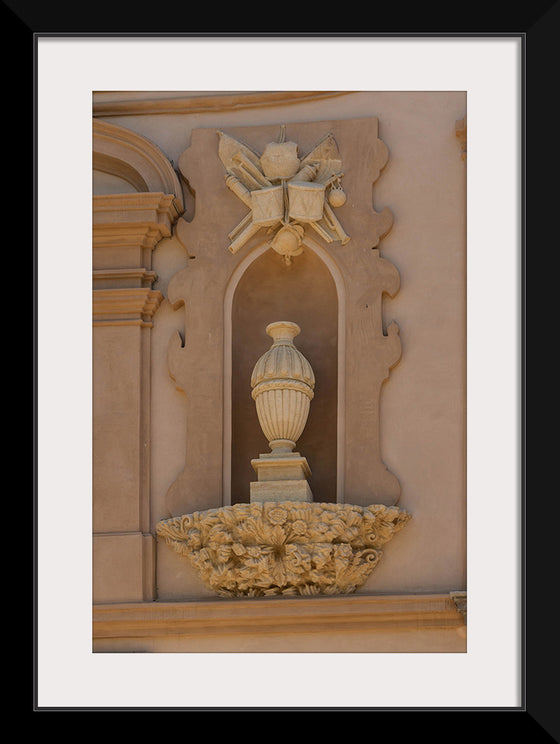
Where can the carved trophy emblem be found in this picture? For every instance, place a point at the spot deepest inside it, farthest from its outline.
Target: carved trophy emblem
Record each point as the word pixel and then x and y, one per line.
pixel 284 192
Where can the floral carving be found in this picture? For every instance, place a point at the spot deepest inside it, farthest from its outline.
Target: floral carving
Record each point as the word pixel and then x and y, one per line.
pixel 293 548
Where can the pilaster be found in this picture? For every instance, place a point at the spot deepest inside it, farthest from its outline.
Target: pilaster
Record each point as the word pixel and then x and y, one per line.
pixel 126 229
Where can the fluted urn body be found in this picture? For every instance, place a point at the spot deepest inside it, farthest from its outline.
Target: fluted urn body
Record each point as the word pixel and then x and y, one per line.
pixel 282 388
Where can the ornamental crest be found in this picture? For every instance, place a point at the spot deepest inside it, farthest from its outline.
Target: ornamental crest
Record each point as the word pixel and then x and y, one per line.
pixel 284 192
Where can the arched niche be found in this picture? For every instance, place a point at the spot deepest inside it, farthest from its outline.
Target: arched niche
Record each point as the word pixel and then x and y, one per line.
pixel 124 161
pixel 305 292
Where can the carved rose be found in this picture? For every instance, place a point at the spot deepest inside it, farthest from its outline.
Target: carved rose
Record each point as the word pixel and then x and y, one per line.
pixel 277 515
pixel 299 527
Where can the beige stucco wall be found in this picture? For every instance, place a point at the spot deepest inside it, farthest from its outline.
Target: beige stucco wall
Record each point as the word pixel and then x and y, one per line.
pixel 423 404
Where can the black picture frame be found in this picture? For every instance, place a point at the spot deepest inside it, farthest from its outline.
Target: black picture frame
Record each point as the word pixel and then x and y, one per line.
pixel 538 27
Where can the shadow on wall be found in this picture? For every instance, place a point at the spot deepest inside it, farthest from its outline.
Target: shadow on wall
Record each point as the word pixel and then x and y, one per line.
pixel 304 293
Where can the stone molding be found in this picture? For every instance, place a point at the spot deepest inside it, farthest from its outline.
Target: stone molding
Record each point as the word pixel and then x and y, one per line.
pixel 296 385
pixel 290 615
pixel 111 278
pixel 156 209
pixel 211 103
pixel 144 235
pixel 125 306
pixel 134 158
pixel 126 229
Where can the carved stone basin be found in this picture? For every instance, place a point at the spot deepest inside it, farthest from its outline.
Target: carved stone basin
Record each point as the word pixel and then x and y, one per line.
pixel 290 548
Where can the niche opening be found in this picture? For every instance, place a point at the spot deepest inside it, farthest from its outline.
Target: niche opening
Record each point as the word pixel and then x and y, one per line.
pixel 306 294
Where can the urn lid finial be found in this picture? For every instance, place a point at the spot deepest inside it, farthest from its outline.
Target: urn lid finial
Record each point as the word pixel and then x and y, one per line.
pixel 283 331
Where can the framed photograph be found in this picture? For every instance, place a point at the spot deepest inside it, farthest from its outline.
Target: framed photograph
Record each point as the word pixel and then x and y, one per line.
pixel 408 74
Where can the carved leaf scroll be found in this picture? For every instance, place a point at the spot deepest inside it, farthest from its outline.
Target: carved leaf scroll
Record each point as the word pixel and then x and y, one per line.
pixel 289 548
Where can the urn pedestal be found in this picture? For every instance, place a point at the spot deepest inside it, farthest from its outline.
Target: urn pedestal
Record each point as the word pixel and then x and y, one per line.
pixel 282 388
pixel 281 478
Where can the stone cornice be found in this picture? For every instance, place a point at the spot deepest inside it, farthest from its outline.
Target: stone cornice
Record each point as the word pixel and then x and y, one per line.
pixel 235 617
pixel 125 306
pixel 126 229
pixel 123 278
pixel 143 234
pixel 200 104
pixel 152 207
pixel 133 220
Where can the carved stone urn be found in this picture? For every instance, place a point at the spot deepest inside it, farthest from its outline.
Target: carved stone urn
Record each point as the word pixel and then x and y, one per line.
pixel 282 387
pixel 282 383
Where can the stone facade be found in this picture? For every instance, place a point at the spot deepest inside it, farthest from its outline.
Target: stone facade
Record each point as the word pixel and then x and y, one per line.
pixel 188 271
